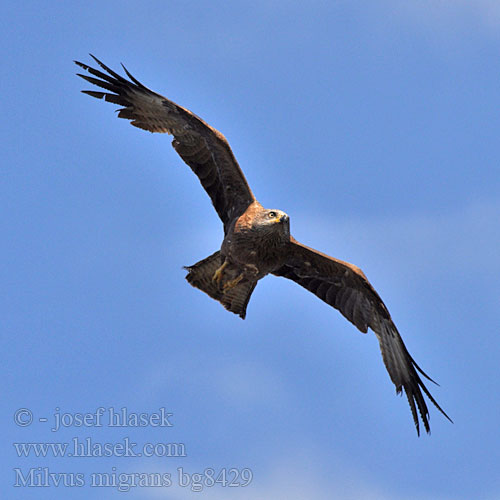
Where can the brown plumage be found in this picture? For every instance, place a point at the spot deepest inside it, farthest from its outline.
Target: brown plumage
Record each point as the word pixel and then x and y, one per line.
pixel 257 241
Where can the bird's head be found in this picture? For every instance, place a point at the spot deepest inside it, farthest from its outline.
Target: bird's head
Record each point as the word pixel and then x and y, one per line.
pixel 273 222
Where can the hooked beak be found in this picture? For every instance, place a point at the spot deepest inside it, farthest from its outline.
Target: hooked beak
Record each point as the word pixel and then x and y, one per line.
pixel 284 219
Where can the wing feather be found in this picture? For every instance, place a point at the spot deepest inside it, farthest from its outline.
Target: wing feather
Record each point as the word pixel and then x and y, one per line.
pixel 347 289
pixel 201 147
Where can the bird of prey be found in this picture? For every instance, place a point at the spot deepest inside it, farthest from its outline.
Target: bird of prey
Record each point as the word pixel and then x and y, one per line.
pixel 257 240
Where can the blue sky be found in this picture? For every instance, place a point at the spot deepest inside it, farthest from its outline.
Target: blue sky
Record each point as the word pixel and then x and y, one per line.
pixel 374 126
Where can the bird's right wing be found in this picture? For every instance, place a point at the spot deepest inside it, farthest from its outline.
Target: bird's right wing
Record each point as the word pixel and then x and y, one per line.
pixel 346 288
pixel 202 147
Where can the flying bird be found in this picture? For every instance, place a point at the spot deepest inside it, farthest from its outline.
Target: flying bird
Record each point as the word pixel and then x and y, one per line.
pixel 257 240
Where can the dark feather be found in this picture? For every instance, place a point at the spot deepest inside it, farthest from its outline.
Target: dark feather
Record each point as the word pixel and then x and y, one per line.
pixel 207 152
pixel 347 289
pixel 235 300
pixel 201 147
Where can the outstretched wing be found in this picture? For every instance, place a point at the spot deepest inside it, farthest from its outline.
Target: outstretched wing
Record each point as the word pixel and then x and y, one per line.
pixel 346 288
pixel 202 147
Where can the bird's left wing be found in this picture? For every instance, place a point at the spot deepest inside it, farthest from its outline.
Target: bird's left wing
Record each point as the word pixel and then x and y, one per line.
pixel 202 147
pixel 346 288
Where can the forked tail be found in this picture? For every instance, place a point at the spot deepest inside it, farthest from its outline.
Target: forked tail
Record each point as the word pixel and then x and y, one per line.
pixel 234 299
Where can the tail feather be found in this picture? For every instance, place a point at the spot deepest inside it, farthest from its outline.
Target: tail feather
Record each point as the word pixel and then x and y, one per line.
pixel 201 276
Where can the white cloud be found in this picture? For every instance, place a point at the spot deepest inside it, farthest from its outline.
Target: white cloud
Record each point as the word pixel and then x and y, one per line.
pixel 292 478
pixel 449 14
pixel 240 383
pixel 246 384
pixel 287 478
pixel 464 241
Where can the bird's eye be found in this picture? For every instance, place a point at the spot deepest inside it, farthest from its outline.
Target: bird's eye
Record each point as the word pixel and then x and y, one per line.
pixel 272 215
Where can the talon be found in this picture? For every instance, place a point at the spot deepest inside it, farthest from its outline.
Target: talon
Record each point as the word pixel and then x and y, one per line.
pixel 232 283
pixel 217 277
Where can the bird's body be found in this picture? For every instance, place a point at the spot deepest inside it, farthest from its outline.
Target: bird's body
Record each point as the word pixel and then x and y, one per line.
pixel 256 244
pixel 257 241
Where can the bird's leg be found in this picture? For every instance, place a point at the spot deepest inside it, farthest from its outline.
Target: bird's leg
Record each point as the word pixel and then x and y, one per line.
pixel 217 277
pixel 232 283
pixel 250 272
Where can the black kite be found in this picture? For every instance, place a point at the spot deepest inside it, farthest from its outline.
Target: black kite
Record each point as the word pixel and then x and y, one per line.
pixel 257 241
